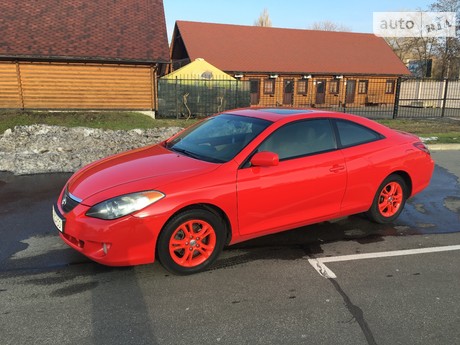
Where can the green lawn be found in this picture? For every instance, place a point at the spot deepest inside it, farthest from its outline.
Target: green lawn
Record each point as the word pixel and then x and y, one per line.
pixel 445 129
pixel 116 120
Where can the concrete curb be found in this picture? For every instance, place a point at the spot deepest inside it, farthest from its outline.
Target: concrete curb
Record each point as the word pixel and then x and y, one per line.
pixel 444 147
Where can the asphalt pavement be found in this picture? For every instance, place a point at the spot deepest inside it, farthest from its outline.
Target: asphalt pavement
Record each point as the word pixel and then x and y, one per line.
pixel 394 284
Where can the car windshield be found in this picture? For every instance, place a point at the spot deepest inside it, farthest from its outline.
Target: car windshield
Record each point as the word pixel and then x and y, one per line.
pixel 219 138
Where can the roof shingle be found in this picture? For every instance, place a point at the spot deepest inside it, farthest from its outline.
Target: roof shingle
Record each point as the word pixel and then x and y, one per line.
pixel 236 48
pixel 107 30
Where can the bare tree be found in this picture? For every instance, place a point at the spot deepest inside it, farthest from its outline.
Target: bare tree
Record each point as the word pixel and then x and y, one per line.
pixel 447 49
pixel 327 25
pixel 264 19
pixel 414 48
pixel 444 52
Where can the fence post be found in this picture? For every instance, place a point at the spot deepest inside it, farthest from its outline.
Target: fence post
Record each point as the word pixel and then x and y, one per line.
pixel 237 90
pixel 175 96
pixel 444 98
pixel 397 95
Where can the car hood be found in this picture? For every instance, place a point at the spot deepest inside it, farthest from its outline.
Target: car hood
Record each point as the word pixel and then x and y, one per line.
pixel 133 171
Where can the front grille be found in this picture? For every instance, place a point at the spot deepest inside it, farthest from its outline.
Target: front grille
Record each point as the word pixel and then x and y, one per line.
pixel 69 201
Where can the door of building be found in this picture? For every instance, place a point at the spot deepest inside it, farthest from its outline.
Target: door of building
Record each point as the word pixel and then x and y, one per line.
pixel 350 91
pixel 320 91
pixel 288 91
pixel 254 85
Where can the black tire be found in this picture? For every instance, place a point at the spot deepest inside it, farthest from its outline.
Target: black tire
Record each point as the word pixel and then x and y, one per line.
pixel 191 241
pixel 389 200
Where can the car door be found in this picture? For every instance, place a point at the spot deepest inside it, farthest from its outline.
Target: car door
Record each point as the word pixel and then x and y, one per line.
pixel 369 160
pixel 308 183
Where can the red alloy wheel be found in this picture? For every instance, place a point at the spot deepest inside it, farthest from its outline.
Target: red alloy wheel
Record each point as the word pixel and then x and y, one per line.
pixel 192 243
pixel 390 199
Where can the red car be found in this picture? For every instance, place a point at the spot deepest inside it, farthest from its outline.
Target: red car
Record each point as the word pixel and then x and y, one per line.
pixel 235 176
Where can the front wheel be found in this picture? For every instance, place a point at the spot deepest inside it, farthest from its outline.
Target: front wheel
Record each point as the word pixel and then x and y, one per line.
pixel 191 241
pixel 389 200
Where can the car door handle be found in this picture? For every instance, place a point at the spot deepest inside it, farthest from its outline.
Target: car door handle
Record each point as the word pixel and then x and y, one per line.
pixel 337 168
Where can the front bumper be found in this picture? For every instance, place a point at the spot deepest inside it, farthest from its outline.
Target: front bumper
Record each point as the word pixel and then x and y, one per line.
pixel 120 242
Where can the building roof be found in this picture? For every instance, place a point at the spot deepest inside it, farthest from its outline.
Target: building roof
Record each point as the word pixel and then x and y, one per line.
pixel 199 69
pixel 103 30
pixel 236 48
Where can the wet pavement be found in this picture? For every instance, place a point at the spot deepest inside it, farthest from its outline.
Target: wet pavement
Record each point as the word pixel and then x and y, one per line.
pixel 260 291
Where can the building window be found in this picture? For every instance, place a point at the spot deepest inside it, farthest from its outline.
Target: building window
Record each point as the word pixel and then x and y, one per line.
pixel 362 86
pixel 390 86
pixel 334 86
pixel 302 86
pixel 269 86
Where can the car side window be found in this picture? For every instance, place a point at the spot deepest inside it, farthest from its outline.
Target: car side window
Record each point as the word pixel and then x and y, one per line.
pixel 301 138
pixel 352 134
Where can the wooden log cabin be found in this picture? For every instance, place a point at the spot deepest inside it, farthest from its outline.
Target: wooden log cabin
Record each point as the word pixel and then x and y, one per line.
pixel 78 54
pixel 291 67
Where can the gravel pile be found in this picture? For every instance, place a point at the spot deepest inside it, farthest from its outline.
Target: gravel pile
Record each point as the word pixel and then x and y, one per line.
pixel 45 149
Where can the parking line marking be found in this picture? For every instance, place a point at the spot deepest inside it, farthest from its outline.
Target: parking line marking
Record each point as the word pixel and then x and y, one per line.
pixel 323 270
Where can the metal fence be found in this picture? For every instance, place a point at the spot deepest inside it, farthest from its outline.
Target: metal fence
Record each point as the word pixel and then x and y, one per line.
pixel 374 98
pixel 200 98
pixel 429 98
pixel 339 94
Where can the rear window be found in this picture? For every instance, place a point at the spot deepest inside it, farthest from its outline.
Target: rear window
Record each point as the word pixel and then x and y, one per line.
pixel 352 134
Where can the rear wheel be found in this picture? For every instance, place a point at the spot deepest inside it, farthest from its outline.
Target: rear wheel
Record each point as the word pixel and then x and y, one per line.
pixel 389 200
pixel 191 241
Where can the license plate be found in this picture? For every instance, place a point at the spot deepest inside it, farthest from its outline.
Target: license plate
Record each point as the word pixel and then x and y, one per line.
pixel 58 221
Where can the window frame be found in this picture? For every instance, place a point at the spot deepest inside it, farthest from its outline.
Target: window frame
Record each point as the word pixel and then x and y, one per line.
pixel 269 86
pixel 307 154
pixel 378 136
pixel 364 82
pixel 390 85
pixel 304 89
pixel 334 84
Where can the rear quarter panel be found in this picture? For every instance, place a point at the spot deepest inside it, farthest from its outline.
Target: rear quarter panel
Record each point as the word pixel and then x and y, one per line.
pixel 369 164
pixel 366 167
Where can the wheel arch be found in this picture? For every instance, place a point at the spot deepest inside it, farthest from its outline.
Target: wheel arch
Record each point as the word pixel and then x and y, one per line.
pixel 407 179
pixel 387 206
pixel 208 207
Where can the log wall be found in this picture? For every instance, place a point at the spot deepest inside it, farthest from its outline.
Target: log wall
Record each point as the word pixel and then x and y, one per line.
pixel 76 86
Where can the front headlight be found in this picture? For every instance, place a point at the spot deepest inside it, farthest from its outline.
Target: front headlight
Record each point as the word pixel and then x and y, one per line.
pixel 123 205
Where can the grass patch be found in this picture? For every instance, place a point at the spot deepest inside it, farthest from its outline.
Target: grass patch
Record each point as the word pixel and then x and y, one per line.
pixel 446 130
pixel 115 120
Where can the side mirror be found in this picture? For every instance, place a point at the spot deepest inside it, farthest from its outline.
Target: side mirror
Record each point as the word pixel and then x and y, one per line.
pixel 265 159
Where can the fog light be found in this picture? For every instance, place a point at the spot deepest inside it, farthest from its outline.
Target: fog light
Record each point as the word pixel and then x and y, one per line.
pixel 106 247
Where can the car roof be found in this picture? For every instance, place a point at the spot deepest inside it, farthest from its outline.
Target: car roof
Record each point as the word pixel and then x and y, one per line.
pixel 270 114
pixel 279 114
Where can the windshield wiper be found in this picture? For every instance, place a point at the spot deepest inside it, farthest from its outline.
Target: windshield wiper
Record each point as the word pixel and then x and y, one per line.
pixel 196 156
pixel 186 152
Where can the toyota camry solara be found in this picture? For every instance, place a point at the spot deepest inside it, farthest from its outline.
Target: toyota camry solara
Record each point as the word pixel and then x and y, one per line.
pixel 236 176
